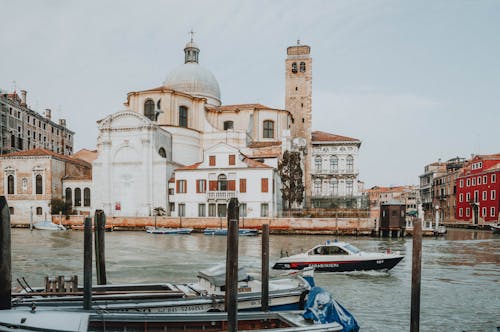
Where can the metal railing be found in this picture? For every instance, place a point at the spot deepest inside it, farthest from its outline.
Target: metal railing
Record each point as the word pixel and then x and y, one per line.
pixel 221 194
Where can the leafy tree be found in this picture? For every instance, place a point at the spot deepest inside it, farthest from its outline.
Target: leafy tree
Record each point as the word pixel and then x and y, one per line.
pixel 290 172
pixel 58 205
pixel 159 211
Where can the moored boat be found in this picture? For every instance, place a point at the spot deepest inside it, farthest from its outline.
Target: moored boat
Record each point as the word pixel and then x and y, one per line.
pixel 48 225
pixel 166 230
pixel 223 231
pixel 495 228
pixel 338 257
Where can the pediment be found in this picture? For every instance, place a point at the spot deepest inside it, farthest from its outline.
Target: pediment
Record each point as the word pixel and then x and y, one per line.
pixel 124 119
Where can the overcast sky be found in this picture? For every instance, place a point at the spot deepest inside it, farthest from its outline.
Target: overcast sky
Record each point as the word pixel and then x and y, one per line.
pixel 415 81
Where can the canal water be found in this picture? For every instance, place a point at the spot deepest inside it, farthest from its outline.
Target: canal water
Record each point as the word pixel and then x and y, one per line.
pixel 460 272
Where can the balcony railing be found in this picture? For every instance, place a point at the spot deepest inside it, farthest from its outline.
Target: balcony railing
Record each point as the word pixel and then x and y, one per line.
pixel 221 194
pixel 334 171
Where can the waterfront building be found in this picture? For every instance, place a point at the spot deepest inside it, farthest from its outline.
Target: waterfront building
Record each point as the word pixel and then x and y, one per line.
pixel 22 128
pixel 431 171
pixel 203 189
pixel 31 179
pixel 478 188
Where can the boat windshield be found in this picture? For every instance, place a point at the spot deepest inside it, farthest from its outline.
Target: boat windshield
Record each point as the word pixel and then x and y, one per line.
pixel 352 248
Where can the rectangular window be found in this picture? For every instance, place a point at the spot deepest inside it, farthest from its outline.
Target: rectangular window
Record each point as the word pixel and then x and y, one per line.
pixel 211 210
pixel 243 185
pixel 232 159
pixel 211 160
pixel 467 212
pixel 467 197
pixel 473 181
pixel 493 195
pixel 243 210
pixel 264 210
pixel 492 211
pixel 172 207
pixel 485 179
pixel 221 210
pixel 485 195
pixel 264 185
pixel 182 210
pixel 476 196
pixel 461 197
pixel 461 183
pixel 461 212
pixel 468 182
pixel 201 210
pixel 484 212
pixel 201 186
pixel 181 187
pixel 493 178
pixel 478 180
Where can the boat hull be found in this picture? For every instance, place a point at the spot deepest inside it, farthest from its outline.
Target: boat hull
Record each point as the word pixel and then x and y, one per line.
pixel 342 266
pixel 153 230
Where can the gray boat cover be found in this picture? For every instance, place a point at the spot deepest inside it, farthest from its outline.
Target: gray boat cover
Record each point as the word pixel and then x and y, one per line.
pixel 216 275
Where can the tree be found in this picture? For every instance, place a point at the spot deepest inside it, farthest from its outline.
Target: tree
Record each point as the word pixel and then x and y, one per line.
pixel 58 205
pixel 290 172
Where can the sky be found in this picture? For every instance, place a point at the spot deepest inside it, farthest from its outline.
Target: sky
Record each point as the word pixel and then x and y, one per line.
pixel 415 81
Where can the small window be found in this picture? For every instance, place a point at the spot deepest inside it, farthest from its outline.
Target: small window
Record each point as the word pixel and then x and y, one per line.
pixel 39 184
pixel 493 178
pixel 86 197
pixel 492 211
pixel 350 163
pixel 318 164
pixel 181 210
pixel 484 212
pixel 39 211
pixel 228 125
pixel 211 160
pixel 222 182
pixel 78 197
pixel 11 210
pixel 162 153
pixel 294 67
pixel 302 67
pixel 461 212
pixel 201 186
pixel 334 163
pixel 268 130
pixel 461 183
pixel 212 210
pixel 202 210
pixel 68 197
pixel 149 109
pixel 181 187
pixel 221 210
pixel 264 210
pixel 243 185
pixel 232 159
pixel 243 210
pixel 264 185
pixel 485 195
pixel 183 116
pixel 461 197
pixel 493 195
pixel 349 187
pixel 10 185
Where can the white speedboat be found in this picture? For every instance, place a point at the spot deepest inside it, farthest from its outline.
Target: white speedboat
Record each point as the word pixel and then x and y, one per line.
pixel 164 230
pixel 48 225
pixel 338 257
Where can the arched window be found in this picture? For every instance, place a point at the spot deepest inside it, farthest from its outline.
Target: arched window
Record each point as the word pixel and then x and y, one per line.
pixel 78 197
pixel 39 211
pixel 149 109
pixel 86 197
pixel 302 67
pixel 349 187
pixel 294 67
pixel 69 197
pixel 10 185
pixel 334 163
pixel 39 184
pixel 334 187
pixel 350 163
pixel 162 153
pixel 12 141
pixel 317 163
pixel 317 186
pixel 222 182
pixel 183 116
pixel 228 125
pixel 268 129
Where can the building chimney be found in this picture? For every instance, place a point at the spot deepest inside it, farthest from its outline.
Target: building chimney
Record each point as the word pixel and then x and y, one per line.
pixel 23 97
pixel 48 113
pixel 62 122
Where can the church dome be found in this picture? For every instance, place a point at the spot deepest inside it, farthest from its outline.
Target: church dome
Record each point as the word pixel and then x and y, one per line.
pixel 194 79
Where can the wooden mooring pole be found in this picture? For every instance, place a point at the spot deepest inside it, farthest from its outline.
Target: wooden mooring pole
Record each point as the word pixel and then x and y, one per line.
pixel 265 268
pixel 100 261
pixel 5 256
pixel 416 276
pixel 87 264
pixel 231 299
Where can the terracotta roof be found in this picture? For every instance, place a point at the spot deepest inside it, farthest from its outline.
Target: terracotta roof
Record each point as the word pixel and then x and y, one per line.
pixel 321 136
pixel 255 164
pixel 193 166
pixel 255 145
pixel 44 152
pixel 78 177
pixel 86 155
pixel 226 108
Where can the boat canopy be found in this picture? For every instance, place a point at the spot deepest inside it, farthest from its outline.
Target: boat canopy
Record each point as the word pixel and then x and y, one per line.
pixel 216 275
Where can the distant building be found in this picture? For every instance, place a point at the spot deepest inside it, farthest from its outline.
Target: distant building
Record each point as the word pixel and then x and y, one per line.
pixel 431 172
pixel 478 187
pixel 24 129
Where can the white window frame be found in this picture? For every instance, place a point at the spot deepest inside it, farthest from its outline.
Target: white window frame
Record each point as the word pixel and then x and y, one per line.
pixel 461 198
pixel 485 195
pixel 493 195
pixel 467 212
pixel 461 183
pixel 202 210
pixel 485 211
pixel 479 180
pixel 181 209
pixel 461 212
pixel 264 210
pixel 492 211
pixel 493 178
pixel 468 182
pixel 474 181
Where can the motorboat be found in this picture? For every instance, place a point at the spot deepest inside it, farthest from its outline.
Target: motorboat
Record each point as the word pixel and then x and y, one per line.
pixel 166 230
pixel 48 225
pixel 207 294
pixel 495 228
pixel 223 231
pixel 338 257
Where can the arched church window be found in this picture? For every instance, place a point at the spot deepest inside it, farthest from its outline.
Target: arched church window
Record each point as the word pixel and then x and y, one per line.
pixel 268 129
pixel 349 187
pixel 39 184
pixel 294 67
pixel 350 163
pixel 162 153
pixel 228 125
pixel 222 182
pixel 317 186
pixel 183 116
pixel 334 163
pixel 334 186
pixel 69 197
pixel 86 197
pixel 302 67
pixel 78 197
pixel 149 109
pixel 317 163
pixel 10 184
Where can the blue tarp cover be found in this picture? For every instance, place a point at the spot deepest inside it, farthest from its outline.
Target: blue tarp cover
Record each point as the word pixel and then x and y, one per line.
pixel 322 308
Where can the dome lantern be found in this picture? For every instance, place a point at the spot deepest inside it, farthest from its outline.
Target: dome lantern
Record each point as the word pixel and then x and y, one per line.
pixel 191 50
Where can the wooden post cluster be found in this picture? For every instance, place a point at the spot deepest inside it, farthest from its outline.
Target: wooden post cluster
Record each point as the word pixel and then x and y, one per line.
pixel 416 270
pixel 5 256
pixel 265 268
pixel 231 299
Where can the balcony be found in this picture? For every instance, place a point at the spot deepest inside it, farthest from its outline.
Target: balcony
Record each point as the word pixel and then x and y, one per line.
pixel 221 195
pixel 329 171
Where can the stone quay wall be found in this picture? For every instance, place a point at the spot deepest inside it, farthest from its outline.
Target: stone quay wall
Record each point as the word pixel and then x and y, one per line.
pixel 341 226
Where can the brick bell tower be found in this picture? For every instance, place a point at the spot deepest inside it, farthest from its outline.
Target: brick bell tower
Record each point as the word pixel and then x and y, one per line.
pixel 298 101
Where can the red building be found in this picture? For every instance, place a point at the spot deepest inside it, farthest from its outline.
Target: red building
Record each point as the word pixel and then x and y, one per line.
pixel 478 189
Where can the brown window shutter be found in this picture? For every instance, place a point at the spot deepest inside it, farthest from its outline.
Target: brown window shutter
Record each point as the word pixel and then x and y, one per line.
pixel 231 185
pixel 211 161
pixel 264 185
pixel 212 185
pixel 232 159
pixel 243 185
pixel 177 186
pixel 198 186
